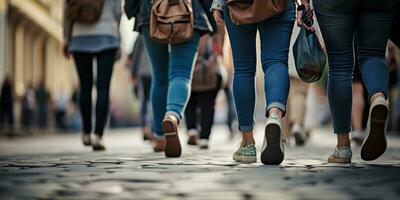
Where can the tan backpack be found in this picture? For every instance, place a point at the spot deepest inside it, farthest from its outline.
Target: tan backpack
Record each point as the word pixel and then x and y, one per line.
pixel 171 21
pixel 85 11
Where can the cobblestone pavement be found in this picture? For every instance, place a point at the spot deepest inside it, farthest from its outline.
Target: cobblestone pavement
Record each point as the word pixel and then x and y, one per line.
pixel 58 167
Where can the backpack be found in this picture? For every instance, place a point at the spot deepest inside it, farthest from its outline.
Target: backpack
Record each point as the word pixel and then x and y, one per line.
pixel 86 11
pixel 206 77
pixel 171 21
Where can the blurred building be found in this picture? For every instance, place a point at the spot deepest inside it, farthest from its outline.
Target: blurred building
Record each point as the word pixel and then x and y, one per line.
pixel 31 45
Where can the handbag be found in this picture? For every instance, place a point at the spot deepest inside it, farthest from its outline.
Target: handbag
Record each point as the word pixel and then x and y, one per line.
pixel 254 11
pixel 85 11
pixel 171 21
pixel 310 58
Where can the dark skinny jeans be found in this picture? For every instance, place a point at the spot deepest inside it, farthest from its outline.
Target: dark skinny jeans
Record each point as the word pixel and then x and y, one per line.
pixel 84 66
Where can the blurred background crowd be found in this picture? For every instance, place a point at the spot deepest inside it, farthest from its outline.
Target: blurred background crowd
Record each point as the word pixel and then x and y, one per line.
pixel 39 87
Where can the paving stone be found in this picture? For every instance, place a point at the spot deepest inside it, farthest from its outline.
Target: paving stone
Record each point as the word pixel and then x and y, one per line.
pixel 128 171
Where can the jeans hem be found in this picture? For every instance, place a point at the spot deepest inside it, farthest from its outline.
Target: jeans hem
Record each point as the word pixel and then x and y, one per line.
pixel 373 92
pixel 278 105
pixel 175 114
pixel 339 131
pixel 245 128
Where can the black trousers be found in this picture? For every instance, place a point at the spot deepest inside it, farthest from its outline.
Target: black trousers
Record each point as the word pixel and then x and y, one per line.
pixel 201 104
pixel 84 65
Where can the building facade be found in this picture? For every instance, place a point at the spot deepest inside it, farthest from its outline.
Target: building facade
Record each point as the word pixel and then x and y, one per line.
pixel 31 45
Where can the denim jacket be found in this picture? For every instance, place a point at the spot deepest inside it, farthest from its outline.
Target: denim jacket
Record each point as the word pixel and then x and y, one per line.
pixel 203 19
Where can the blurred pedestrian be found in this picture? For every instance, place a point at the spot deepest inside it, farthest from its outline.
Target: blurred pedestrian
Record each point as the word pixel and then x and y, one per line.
pixel 88 39
pixel 7 104
pixel 231 119
pixel 206 83
pixel 339 20
pixel 141 78
pixel 275 34
pixel 28 107
pixel 42 100
pixel 172 66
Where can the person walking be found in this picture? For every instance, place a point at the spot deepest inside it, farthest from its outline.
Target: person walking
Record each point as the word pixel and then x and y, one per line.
pixel 141 77
pixel 339 21
pixel 206 83
pixel 172 66
pixel 7 104
pixel 275 34
pixel 99 40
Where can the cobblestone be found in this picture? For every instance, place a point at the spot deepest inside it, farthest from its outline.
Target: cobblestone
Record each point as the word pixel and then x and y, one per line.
pixel 58 167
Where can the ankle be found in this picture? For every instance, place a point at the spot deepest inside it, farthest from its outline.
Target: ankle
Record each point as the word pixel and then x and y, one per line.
pixel 343 140
pixel 248 138
pixel 376 95
pixel 275 111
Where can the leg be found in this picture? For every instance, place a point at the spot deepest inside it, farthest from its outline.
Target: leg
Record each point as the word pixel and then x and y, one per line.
pixel 340 53
pixel 297 104
pixel 207 103
pixel 190 112
pixel 182 58
pixel 375 73
pixel 158 55
pixel 191 119
pixel 105 65
pixel 146 85
pixel 243 44
pixel 84 66
pixel 275 36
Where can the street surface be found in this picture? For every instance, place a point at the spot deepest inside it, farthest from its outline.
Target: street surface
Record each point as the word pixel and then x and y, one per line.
pixel 57 166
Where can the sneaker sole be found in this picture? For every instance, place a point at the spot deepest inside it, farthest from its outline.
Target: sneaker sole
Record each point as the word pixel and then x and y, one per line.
pixel 272 154
pixel 339 160
pixel 375 143
pixel 248 159
pixel 172 143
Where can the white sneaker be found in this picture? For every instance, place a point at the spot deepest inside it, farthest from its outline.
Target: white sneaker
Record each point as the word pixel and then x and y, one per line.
pixel 375 142
pixel 273 150
pixel 341 155
pixel 203 144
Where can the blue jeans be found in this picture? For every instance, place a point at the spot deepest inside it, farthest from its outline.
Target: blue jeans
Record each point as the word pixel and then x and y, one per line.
pixel 171 72
pixel 275 36
pixel 339 20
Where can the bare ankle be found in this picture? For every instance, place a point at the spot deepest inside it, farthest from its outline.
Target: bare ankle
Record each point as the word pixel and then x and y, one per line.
pixel 343 140
pixel 276 111
pixel 247 138
pixel 376 95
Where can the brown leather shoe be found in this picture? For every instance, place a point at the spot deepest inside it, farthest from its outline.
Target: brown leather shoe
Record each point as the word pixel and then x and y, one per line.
pixel 172 143
pixel 159 145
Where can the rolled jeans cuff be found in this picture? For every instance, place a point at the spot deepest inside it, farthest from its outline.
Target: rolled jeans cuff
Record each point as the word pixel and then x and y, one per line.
pixel 245 128
pixel 278 105
pixel 175 114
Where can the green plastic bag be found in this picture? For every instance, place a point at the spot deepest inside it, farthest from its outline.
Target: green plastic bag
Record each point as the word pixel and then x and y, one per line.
pixel 310 58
